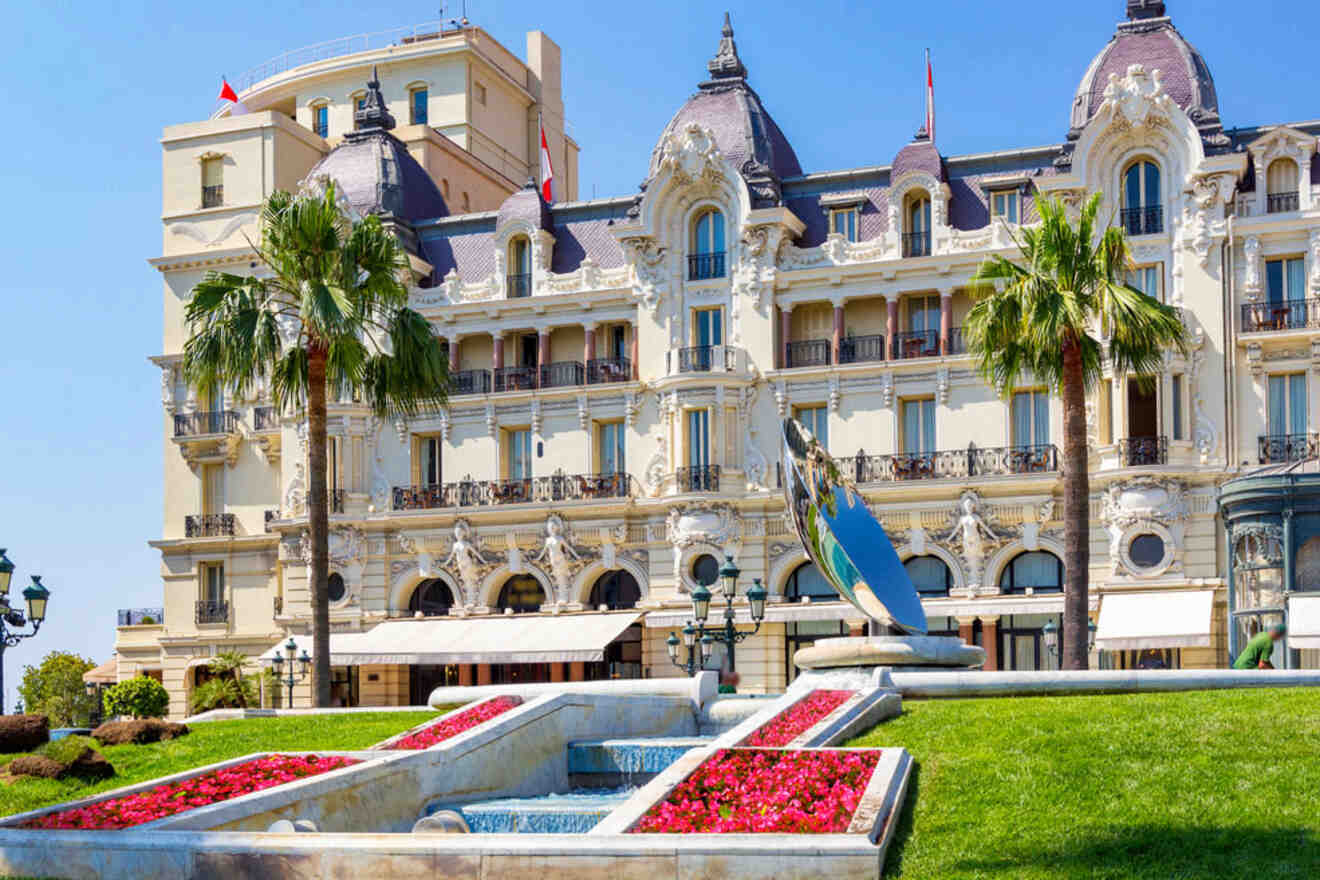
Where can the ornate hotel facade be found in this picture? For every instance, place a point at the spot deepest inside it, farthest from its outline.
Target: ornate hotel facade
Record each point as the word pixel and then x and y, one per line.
pixel 621 366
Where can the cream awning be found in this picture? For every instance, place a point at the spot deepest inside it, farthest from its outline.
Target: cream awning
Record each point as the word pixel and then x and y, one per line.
pixel 517 638
pixel 1172 619
pixel 1304 622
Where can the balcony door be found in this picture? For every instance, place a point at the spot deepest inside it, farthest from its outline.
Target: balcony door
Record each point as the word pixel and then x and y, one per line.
pixel 611 448
pixel 919 426
pixel 213 489
pixel 1031 419
pixel 698 438
pixel 707 327
pixel 213 582
pixel 518 454
pixel 428 464
pixel 1287 414
pixel 1143 414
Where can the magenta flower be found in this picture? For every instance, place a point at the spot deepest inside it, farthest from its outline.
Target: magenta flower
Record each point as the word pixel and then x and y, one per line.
pixel 797 719
pixel 456 724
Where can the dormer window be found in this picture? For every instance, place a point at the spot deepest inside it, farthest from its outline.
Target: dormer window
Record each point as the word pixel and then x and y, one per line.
pixel 1004 205
pixel 916 237
pixel 1142 212
pixel 417 105
pixel 213 182
pixel 519 277
pixel 1281 183
pixel 321 120
pixel 706 257
pixel 843 221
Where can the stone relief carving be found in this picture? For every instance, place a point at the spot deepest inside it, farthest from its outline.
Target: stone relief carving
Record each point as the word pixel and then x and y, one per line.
pixel 755 466
pixel 1144 504
pixel 755 270
pixel 712 525
pixel 348 556
pixel 465 558
pixel 650 278
pixel 559 554
pixel 1251 264
pixel 971 534
pixel 1203 213
pixel 380 481
pixel 1135 96
pixel 1205 435
pixel 656 466
pixel 295 493
pixel 691 155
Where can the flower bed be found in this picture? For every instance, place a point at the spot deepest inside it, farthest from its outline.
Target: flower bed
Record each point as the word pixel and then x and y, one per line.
pixel 200 791
pixel 798 718
pixel 456 724
pixel 766 790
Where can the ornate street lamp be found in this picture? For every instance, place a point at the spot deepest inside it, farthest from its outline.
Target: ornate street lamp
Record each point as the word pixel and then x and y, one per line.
pixel 36 596
pixel 728 634
pixel 1051 634
pixel 304 663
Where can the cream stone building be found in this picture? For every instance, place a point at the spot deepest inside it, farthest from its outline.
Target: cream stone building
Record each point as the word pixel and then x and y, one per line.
pixel 621 367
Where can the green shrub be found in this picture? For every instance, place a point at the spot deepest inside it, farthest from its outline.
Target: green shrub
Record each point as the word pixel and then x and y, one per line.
pixel 55 688
pixel 140 697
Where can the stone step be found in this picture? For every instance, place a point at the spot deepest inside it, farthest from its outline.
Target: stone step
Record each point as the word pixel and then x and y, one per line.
pixel 628 759
pixel 576 812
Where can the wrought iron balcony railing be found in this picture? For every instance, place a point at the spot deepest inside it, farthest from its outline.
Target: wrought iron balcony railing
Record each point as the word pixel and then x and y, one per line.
pixel 973 461
pixel 916 244
pixel 1143 451
pixel 470 382
pixel 212 611
pixel 916 344
pixel 861 349
pixel 562 374
pixel 603 370
pixel 209 525
pixel 518 285
pixel 1280 203
pixel 199 423
pixel 809 353
pixel 698 478
pixel 515 378
pixel 1279 448
pixel 483 493
pixel 265 418
pixel 1148 220
pixel 703 266
pixel 141 616
pixel 1289 314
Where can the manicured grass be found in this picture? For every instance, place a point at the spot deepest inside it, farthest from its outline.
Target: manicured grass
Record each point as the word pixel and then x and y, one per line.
pixel 1160 786
pixel 209 742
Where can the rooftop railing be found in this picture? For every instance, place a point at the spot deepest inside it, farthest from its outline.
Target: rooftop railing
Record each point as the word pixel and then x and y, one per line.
pixel 484 493
pixel 141 616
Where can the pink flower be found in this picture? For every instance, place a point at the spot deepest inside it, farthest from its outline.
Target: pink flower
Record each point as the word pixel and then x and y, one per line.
pixel 456 724
pixel 797 719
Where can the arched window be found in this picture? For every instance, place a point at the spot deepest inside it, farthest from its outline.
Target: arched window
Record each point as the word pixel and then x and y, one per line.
pixel 806 582
pixel 1040 571
pixel 1142 212
pixel 1281 183
pixel 616 590
pixel 916 219
pixel 930 575
pixel 523 593
pixel 520 267
pixel 706 257
pixel 433 598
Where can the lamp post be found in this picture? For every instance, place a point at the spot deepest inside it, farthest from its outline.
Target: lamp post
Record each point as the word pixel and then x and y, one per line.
pixel 1051 633
pixel 304 662
pixel 36 596
pixel 728 634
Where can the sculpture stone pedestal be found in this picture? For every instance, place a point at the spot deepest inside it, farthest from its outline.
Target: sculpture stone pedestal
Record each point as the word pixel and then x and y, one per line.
pixel 867 660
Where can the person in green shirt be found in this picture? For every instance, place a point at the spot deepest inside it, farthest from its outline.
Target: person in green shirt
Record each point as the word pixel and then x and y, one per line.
pixel 1256 655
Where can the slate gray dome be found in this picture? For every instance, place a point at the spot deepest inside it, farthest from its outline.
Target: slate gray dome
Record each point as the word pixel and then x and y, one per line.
pixel 744 130
pixel 525 204
pixel 374 170
pixel 1149 38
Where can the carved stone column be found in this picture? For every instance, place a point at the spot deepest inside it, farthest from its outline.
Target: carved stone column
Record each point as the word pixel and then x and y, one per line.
pixel 588 345
pixel 497 352
pixel 946 320
pixel 785 334
pixel 542 352
pixel 836 342
pixel 990 642
pixel 891 325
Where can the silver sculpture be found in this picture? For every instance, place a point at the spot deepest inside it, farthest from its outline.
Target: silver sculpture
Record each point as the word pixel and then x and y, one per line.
pixel 847 544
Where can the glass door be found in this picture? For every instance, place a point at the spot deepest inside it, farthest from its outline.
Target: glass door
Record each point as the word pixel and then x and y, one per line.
pixel 708 329
pixel 698 438
pixel 519 462
pixel 611 448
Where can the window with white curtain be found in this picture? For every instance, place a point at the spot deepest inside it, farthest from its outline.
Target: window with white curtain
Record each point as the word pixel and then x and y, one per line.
pixel 1031 418
pixel 611 448
pixel 1285 280
pixel 817 421
pixel 1287 404
pixel 1147 280
pixel 919 426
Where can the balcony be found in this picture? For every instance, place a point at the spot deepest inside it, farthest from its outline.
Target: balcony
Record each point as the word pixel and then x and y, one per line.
pixel 1281 203
pixel 916 244
pixel 470 382
pixel 704 266
pixel 515 379
pixel 213 196
pixel 518 285
pixel 702 359
pixel 954 463
pixel 861 349
pixel 562 374
pixel 698 478
pixel 601 371
pixel 209 525
pixel 141 616
pixel 201 423
pixel 265 418
pixel 212 611
pixel 484 493
pixel 1143 451
pixel 808 353
pixel 1280 448
pixel 1143 221
pixel 1292 314
pixel 916 344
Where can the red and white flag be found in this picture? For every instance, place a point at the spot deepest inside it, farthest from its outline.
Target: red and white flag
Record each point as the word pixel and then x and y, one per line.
pixel 930 99
pixel 547 169
pixel 227 93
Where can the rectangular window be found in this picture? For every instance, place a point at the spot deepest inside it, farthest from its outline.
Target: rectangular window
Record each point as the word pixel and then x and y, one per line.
pixel 1004 204
pixel 518 453
pixel 321 120
pixel 1176 389
pixel 698 437
pixel 610 446
pixel 924 313
pixel 919 426
pixel 707 327
pixel 417 105
pixel 1031 418
pixel 213 582
pixel 213 488
pixel 429 472
pixel 479 92
pixel 1287 412
pixel 1147 280
pixel 817 421
pixel 213 188
pixel 844 222
pixel 332 459
pixel 1286 279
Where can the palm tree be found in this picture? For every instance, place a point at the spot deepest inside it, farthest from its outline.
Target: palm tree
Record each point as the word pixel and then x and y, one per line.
pixel 1036 319
pixel 329 310
pixel 230 664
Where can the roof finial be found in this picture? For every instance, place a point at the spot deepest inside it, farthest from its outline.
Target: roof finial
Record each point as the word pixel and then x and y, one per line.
pixel 1139 9
pixel 726 64
pixel 373 114
pixel 728 26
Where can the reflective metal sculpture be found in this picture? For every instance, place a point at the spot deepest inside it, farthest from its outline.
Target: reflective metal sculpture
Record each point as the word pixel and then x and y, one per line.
pixel 847 544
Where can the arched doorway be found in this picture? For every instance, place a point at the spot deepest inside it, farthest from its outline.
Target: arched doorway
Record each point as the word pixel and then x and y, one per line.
pixel 616 590
pixel 432 598
pixel 523 593
pixel 807 584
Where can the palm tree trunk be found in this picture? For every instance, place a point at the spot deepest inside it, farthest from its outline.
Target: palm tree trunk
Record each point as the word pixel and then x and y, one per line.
pixel 238 683
pixel 318 523
pixel 1076 510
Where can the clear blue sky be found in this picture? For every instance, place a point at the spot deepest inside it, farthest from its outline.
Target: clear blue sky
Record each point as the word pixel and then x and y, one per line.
pixel 92 84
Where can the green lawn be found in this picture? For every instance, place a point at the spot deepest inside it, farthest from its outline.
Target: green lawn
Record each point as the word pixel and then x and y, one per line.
pixel 210 742
pixel 1214 784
